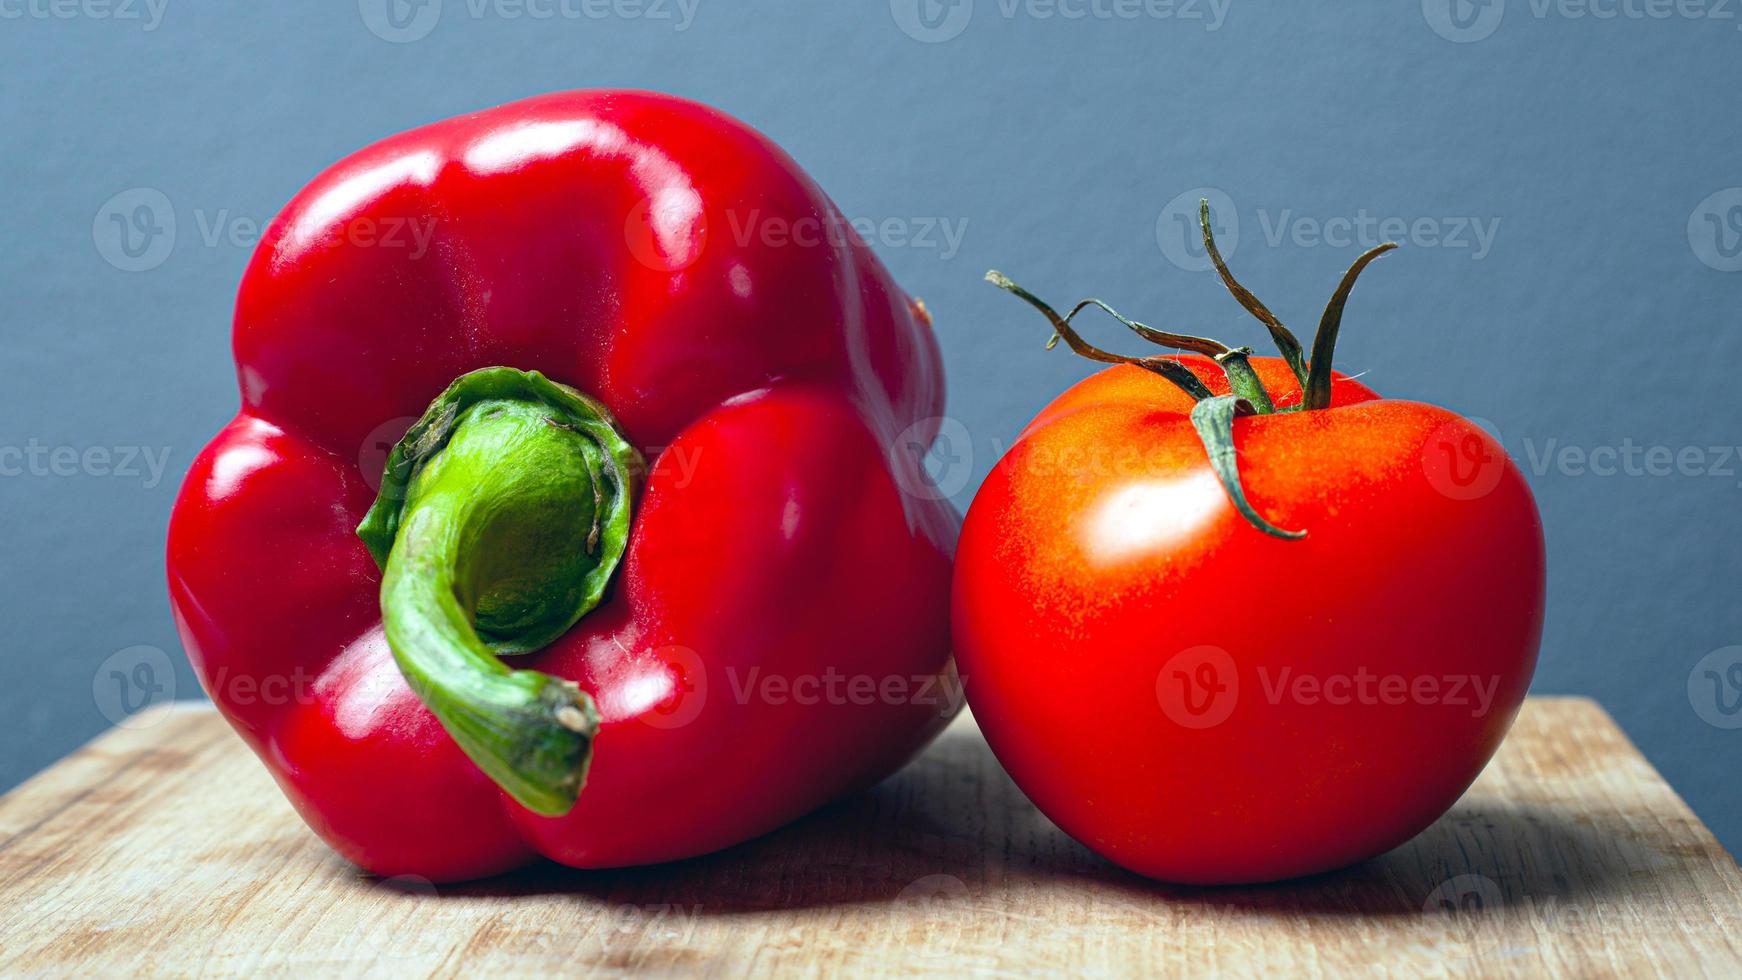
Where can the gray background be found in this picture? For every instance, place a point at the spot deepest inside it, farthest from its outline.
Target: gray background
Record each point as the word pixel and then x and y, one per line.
pixel 1601 312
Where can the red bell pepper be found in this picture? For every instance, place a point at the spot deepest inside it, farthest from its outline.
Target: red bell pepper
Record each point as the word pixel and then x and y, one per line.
pixel 651 514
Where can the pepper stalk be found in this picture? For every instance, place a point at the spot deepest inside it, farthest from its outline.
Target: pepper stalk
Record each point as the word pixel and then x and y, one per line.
pixel 502 515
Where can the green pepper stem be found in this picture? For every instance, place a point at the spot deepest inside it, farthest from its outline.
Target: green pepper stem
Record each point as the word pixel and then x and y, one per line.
pixel 503 514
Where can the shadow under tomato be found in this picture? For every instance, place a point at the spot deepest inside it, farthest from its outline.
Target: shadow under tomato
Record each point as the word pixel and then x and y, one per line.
pixel 1474 859
pixel 953 829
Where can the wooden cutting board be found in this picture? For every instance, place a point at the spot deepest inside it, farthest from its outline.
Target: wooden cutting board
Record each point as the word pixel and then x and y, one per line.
pixel 165 848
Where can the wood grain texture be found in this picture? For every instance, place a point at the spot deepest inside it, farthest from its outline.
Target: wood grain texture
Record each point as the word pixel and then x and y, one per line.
pixel 164 848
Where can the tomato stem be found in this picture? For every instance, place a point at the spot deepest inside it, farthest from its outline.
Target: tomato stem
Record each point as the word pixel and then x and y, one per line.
pixel 1317 390
pixel 1179 341
pixel 1166 367
pixel 1285 341
pixel 1213 416
pixel 1243 381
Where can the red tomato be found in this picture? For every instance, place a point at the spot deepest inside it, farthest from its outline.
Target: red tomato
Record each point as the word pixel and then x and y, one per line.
pixel 1203 702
